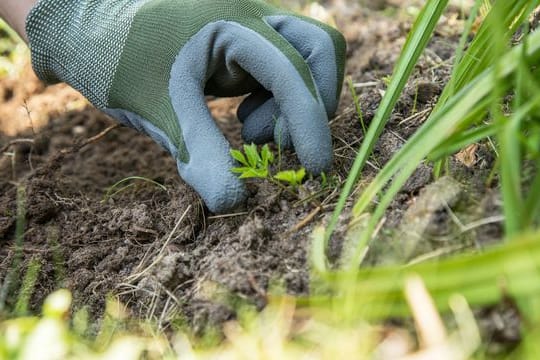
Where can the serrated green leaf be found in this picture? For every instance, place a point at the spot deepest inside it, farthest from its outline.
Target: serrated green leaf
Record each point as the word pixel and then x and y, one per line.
pixel 239 170
pixel 238 156
pixel 267 156
pixel 300 174
pixel 286 175
pixel 292 177
pixel 254 173
pixel 252 155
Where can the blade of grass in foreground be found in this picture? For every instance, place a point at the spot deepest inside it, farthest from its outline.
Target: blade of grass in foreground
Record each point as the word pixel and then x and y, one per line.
pixel 413 48
pixel 511 270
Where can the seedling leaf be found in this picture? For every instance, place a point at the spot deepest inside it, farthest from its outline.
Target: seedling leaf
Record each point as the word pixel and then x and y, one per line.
pixel 252 155
pixel 267 156
pixel 292 177
pixel 248 172
pixel 238 156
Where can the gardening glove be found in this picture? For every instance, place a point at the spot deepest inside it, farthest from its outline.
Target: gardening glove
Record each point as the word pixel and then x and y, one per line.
pixel 149 64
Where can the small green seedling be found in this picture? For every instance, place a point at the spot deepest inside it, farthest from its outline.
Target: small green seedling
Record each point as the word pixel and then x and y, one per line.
pixel 327 182
pixel 257 165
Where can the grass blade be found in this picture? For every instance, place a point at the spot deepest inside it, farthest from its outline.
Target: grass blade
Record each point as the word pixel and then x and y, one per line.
pixel 477 58
pixel 435 131
pixel 413 48
pixel 511 270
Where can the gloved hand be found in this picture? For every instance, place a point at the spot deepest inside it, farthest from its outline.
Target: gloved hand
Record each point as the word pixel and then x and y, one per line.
pixel 149 63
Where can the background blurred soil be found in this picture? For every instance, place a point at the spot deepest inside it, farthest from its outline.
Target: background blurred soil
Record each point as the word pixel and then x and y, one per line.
pixel 161 251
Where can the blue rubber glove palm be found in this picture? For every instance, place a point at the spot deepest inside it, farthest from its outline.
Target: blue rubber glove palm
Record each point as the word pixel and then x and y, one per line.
pixel 149 64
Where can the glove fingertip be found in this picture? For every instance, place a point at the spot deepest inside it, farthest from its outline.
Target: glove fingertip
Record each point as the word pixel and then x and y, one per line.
pixel 318 162
pixel 219 188
pixel 220 203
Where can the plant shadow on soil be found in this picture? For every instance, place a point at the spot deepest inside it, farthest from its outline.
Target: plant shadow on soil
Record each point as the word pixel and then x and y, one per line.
pixel 162 253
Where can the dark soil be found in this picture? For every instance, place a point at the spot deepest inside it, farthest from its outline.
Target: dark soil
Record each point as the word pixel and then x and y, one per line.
pixel 161 251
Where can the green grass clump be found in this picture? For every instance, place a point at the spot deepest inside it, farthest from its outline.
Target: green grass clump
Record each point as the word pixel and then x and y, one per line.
pixel 413 48
pixel 467 112
pixel 491 97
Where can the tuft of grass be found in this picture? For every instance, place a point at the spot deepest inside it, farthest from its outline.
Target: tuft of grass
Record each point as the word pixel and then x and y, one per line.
pixel 483 75
pixel 493 97
pixel 413 48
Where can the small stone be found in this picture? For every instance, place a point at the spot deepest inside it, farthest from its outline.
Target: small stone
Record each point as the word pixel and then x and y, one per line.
pixel 79 130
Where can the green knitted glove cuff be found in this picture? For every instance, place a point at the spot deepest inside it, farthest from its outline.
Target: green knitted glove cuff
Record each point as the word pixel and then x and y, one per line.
pixel 80 42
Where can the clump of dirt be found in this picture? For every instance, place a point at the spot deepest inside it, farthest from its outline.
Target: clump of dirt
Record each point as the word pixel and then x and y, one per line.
pixel 159 249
